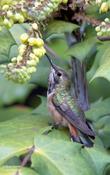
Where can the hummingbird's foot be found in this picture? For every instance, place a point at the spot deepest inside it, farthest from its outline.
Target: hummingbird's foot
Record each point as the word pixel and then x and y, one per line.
pixel 53 126
pixel 47 132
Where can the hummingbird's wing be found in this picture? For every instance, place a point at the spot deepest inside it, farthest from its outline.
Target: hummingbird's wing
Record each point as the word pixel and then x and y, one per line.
pixel 80 83
pixel 77 120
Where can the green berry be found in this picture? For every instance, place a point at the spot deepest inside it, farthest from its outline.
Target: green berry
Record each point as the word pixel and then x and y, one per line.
pixel 103 30
pixel 99 34
pixel 31 70
pixel 8 23
pixel 19 59
pixel 104 7
pixel 22 19
pixel 21 49
pixel 9 14
pixel 108 30
pixel 64 1
pixel 18 17
pixel 14 60
pixel 31 63
pixel 35 26
pixel 35 42
pixel 97 28
pixel 103 23
pixel 24 37
pixel 107 20
pixel 5 7
pixel 40 42
pixel 34 57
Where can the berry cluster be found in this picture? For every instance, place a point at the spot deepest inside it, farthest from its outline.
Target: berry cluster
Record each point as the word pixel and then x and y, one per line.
pixel 12 12
pixel 32 46
pixel 30 51
pixel 104 28
pixel 43 9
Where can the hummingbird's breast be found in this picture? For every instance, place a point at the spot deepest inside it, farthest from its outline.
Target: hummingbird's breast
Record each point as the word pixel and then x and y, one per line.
pixel 57 117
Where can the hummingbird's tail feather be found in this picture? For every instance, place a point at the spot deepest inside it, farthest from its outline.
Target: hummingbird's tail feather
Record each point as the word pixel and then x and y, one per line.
pixel 80 137
pixel 86 140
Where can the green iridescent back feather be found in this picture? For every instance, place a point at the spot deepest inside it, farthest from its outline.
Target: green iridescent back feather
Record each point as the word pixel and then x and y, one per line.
pixel 63 95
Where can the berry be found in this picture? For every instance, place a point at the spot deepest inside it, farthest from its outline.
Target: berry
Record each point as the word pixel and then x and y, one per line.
pixel 104 7
pixel 65 1
pixel 99 34
pixel 9 14
pixel 107 20
pixel 24 37
pixel 35 26
pixel 35 42
pixel 5 7
pixel 97 28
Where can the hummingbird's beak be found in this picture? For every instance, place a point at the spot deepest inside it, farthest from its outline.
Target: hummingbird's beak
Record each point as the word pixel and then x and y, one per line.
pixel 53 65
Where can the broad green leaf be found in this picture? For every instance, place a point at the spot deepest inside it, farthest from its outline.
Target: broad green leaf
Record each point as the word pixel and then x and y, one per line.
pixel 103 127
pixel 98 109
pixel 6 43
pixel 59 27
pixel 60 47
pixel 99 88
pixel 59 157
pixel 100 115
pixel 17 135
pixel 9 39
pixel 104 66
pixel 100 50
pixel 11 92
pixel 83 49
pixel 17 171
pixel 12 112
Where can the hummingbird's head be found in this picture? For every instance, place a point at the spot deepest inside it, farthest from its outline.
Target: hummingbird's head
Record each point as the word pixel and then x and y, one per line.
pixel 58 77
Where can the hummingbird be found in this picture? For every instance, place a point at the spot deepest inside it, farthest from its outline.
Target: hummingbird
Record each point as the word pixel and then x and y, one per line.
pixel 67 99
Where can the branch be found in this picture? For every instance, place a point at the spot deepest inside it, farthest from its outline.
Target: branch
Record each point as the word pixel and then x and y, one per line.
pixel 82 17
pixel 26 158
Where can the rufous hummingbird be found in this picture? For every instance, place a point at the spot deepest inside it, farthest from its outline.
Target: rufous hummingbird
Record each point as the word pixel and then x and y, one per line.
pixel 67 100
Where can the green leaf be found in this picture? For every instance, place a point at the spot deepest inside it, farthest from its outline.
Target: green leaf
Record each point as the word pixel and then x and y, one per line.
pixel 59 27
pixel 59 157
pixel 11 92
pixel 12 112
pixel 9 39
pixel 103 127
pixel 17 135
pixel 60 47
pixel 99 88
pixel 83 49
pixel 6 43
pixel 100 115
pixel 98 109
pixel 104 65
pixel 17 170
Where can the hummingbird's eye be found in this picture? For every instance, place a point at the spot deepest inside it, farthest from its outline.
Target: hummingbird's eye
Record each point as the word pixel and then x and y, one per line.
pixel 59 74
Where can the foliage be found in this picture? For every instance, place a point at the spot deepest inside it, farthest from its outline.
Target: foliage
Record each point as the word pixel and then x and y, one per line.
pixel 79 29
